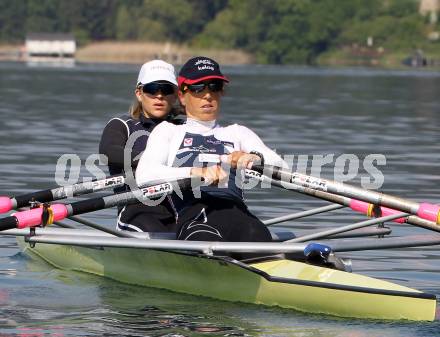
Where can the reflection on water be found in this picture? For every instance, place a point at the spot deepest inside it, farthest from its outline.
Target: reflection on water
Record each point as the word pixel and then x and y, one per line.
pixel 297 111
pixel 102 307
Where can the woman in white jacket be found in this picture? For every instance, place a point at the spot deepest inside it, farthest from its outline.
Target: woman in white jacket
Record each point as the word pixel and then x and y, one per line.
pixel 203 148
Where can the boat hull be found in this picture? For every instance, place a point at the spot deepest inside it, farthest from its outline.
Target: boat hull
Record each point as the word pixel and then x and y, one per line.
pixel 283 283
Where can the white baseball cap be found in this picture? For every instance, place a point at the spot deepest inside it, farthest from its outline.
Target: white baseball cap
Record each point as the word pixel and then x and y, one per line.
pixel 156 70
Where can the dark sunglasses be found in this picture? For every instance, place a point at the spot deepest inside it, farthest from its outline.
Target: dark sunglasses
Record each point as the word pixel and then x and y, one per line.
pixel 153 88
pixel 213 86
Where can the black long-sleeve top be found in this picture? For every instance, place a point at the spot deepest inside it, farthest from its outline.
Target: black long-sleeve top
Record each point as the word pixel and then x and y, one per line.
pixel 127 131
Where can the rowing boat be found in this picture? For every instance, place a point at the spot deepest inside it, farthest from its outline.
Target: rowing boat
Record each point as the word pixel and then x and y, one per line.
pixel 279 277
pixel 271 281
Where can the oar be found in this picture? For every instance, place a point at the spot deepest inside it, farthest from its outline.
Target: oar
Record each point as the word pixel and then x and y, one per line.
pixel 388 243
pixel 64 192
pixel 7 204
pixel 347 228
pixel 303 214
pixel 88 223
pixel 423 210
pixel 56 212
pixel 356 205
pixel 345 195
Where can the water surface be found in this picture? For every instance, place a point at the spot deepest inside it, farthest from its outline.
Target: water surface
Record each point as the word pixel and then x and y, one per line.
pixel 47 112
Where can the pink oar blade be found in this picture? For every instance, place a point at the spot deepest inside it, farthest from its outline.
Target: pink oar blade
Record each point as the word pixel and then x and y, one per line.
pixel 33 217
pixel 429 212
pixel 367 208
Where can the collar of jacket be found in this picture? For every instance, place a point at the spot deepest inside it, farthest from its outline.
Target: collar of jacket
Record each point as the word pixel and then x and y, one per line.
pixel 149 122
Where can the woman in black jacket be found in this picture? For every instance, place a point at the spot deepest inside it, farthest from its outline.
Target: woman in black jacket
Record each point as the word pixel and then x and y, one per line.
pixel 124 139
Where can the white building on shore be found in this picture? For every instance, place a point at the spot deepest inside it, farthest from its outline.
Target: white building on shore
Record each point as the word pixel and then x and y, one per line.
pixel 57 48
pixel 431 8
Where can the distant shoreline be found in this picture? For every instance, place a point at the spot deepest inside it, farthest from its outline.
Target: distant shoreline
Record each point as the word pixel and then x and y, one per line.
pixel 380 58
pixel 135 52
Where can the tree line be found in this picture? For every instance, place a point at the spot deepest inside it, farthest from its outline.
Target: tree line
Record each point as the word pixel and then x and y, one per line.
pixel 275 31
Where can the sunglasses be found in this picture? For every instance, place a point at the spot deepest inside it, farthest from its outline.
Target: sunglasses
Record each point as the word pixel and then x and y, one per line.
pixel 213 86
pixel 153 88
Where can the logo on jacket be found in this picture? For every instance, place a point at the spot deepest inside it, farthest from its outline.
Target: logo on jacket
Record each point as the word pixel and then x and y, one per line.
pixel 188 142
pixel 203 149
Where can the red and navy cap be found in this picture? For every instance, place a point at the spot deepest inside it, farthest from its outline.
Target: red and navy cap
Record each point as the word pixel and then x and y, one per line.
pixel 198 69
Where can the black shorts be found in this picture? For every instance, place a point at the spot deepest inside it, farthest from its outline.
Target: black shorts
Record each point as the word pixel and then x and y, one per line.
pixel 218 219
pixel 142 218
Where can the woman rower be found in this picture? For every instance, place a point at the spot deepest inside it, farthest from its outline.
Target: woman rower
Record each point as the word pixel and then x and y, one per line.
pixel 155 97
pixel 202 148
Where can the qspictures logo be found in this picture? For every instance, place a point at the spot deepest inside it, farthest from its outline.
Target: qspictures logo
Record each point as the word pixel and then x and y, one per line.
pixel 304 169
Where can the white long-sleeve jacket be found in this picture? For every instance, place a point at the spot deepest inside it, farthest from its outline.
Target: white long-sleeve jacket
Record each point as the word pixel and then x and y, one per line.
pixel 172 150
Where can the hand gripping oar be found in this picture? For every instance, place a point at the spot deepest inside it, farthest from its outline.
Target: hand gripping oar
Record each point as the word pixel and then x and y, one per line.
pixel 7 203
pixel 49 213
pixel 358 199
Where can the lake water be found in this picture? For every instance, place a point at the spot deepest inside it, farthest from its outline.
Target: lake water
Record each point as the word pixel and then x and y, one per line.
pixel 47 112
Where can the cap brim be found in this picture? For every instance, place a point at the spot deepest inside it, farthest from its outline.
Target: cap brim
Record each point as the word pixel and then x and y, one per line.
pixel 210 77
pixel 159 79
